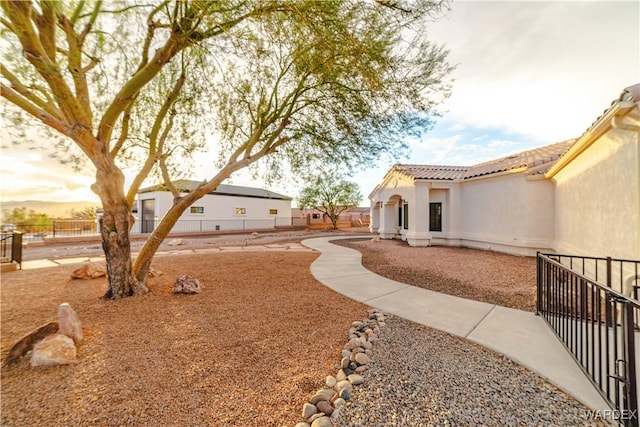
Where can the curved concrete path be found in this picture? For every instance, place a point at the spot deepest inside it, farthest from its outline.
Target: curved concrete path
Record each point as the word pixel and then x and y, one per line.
pixel 519 335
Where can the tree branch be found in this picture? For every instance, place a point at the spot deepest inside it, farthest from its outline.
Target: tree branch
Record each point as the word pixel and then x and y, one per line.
pixel 15 98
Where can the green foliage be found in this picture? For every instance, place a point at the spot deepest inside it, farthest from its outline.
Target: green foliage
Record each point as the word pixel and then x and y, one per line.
pixel 88 213
pixel 22 216
pixel 331 194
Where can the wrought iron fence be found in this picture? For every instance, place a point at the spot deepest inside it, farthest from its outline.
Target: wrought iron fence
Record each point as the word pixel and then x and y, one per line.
pixel 11 247
pixel 599 323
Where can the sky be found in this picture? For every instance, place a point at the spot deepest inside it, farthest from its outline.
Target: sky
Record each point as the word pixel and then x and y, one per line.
pixel 527 74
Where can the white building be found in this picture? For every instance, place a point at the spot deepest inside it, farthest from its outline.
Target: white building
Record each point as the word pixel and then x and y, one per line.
pixel 229 207
pixel 580 196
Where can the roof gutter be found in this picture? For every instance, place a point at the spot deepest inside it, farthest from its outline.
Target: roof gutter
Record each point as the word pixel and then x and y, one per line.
pixel 609 119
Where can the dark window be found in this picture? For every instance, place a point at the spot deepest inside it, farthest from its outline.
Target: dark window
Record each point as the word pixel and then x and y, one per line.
pixel 405 216
pixel 197 209
pixel 435 216
pixel 315 216
pixel 273 211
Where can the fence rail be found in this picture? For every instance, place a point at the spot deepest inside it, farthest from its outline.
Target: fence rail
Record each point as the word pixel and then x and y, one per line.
pixel 70 228
pixel 599 323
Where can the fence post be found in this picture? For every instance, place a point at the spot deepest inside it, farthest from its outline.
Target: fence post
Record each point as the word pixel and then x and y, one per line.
pixel 539 283
pixel 631 394
pixel 16 248
pixel 608 271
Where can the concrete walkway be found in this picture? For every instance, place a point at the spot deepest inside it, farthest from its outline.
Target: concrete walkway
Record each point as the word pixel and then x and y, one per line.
pixel 521 336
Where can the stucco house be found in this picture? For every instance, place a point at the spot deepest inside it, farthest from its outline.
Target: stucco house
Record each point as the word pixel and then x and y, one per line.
pixel 229 207
pixel 580 196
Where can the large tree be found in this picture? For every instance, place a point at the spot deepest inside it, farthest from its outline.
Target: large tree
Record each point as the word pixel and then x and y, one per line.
pixel 330 194
pixel 295 83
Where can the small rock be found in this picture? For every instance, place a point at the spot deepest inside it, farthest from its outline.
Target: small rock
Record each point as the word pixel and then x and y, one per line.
pixel 308 410
pixel 346 353
pixel 343 384
pixel 56 349
pixel 361 369
pixel 88 271
pixel 356 379
pixel 376 239
pixel 187 285
pixel 344 363
pixel 339 403
pixel 362 358
pixel 330 381
pixel 322 422
pixel 324 407
pixel 314 417
pixel 344 394
pixel 176 242
pixel 69 323
pixel 255 234
pixel 324 394
pixel 341 375
pixel 302 425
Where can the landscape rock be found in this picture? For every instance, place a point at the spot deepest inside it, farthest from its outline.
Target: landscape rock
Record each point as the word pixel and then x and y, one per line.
pixel 343 384
pixel 69 324
pixel 26 343
pixel 187 285
pixel 88 271
pixel 324 407
pixel 176 242
pixel 341 375
pixel 314 417
pixel 322 422
pixel 56 349
pixel 356 379
pixel 324 394
pixel 339 403
pixel 302 425
pixel 308 410
pixel 344 394
pixel 362 359
pixel 330 381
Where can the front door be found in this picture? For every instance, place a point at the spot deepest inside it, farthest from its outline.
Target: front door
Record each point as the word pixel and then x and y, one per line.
pixel 148 215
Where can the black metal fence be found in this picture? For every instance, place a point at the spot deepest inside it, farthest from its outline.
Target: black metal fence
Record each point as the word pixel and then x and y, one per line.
pixel 598 322
pixel 57 228
pixel 11 247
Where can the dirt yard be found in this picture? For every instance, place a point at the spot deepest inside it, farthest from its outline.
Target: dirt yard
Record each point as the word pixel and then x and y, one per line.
pixel 491 277
pixel 249 350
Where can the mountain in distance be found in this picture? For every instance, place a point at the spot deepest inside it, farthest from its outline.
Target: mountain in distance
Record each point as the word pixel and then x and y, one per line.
pixel 53 209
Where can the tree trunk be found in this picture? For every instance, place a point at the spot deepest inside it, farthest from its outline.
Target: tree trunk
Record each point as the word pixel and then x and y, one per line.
pixel 334 221
pixel 114 229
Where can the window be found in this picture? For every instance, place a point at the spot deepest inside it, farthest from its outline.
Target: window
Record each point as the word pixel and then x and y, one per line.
pixel 405 216
pixel 241 211
pixel 435 216
pixel 315 216
pixel 197 209
pixel 273 211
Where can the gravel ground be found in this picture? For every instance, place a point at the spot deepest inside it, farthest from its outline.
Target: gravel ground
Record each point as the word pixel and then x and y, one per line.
pixel 491 277
pixel 424 377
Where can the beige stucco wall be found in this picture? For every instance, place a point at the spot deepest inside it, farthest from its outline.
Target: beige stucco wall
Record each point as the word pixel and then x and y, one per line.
pixel 510 213
pixel 597 198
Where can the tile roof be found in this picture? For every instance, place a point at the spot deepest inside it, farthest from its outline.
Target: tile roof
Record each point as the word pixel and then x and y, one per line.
pixel 539 159
pixel 186 186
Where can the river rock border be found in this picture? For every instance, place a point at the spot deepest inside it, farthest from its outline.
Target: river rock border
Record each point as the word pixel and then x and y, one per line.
pixel 322 409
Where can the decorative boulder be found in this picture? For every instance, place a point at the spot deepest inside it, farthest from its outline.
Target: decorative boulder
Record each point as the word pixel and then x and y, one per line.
pixel 177 242
pixel 187 285
pixel 69 323
pixel 26 343
pixel 88 271
pixel 54 350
